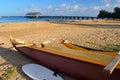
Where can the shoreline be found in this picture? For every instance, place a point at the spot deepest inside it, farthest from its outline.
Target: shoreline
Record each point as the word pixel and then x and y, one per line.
pixel 86 35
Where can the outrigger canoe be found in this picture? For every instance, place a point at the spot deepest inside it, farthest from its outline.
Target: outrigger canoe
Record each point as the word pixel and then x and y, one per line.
pixel 83 65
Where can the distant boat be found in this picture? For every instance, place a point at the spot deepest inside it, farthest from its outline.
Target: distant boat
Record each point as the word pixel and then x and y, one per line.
pixel 83 65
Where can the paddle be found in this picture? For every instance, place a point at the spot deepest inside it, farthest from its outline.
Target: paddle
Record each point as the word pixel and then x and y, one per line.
pixel 112 65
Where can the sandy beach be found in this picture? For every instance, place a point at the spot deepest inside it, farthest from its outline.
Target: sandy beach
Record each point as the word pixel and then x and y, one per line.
pixel 95 34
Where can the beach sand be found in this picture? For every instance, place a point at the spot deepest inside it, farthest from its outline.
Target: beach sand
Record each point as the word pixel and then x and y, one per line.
pixel 95 34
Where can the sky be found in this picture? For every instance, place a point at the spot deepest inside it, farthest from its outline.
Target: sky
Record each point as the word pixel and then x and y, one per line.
pixel 56 7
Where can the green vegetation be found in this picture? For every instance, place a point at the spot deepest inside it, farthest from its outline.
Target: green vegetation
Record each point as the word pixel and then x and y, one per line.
pixel 9 73
pixel 106 14
pixel 115 47
pixel 107 47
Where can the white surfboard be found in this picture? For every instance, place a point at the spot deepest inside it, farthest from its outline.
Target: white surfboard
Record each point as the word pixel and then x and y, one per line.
pixel 39 72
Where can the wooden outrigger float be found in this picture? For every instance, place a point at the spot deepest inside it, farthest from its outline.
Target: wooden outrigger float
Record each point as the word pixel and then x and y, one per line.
pixel 84 65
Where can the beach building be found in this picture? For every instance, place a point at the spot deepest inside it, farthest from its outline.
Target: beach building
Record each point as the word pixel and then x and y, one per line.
pixel 33 14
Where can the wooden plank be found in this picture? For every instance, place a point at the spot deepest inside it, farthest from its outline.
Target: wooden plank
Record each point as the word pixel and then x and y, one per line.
pixel 112 65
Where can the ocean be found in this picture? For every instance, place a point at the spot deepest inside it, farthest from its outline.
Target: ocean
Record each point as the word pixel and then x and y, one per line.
pixel 7 19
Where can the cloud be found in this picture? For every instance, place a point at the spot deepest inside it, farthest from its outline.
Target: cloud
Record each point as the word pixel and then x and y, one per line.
pixel 107 5
pixel 33 8
pixel 76 7
pixel 106 1
pixel 66 9
pixel 118 0
pixel 63 9
pixel 116 5
pixel 74 1
pixel 96 7
pixel 50 6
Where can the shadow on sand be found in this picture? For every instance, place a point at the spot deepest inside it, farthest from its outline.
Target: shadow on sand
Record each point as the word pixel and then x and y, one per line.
pixel 13 57
pixel 86 24
pixel 10 56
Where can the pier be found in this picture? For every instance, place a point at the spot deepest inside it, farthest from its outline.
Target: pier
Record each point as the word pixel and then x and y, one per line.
pixel 69 17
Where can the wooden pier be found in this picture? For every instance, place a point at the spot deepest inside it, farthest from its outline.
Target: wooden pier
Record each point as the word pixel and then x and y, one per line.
pixel 69 17
pixel 66 17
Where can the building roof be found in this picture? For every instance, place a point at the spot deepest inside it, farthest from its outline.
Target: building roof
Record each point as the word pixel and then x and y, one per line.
pixel 33 14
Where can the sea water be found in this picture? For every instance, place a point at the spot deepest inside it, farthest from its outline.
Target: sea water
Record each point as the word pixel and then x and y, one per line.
pixel 7 19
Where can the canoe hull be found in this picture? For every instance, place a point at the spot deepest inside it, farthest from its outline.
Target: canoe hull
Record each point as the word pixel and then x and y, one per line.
pixel 75 68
